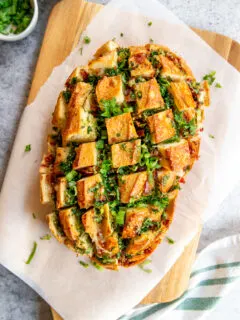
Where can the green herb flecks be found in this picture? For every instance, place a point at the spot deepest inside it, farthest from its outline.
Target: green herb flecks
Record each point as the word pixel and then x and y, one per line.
pixel 34 215
pixel 84 264
pixel 143 264
pixel 97 266
pixel 167 97
pixel 86 40
pixel 15 16
pixel 149 23
pixel 170 240
pixel 111 108
pixel 218 85
pixel 66 166
pixel 121 34
pixel 32 253
pixel 184 127
pixel 211 136
pixel 67 95
pixel 149 224
pixel 210 77
pixel 27 148
pixel 46 237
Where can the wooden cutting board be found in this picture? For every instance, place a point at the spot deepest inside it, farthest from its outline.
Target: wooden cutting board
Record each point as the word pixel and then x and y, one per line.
pixel 66 22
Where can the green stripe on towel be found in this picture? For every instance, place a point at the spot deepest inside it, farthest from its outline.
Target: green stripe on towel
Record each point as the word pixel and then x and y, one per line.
pixel 198 303
pixel 211 282
pixel 216 266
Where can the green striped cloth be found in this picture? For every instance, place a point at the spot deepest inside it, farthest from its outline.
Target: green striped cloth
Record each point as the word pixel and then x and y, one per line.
pixel 216 271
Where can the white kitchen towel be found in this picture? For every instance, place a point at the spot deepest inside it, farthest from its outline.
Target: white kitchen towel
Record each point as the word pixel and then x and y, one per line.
pixel 216 271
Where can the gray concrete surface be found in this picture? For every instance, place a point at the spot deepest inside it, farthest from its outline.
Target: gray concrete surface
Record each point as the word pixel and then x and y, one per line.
pixel 17 63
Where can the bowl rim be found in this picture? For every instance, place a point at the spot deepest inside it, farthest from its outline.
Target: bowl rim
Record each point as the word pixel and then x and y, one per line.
pixel 28 30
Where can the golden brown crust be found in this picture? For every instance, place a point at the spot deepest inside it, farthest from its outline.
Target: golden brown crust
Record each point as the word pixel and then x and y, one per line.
pixel 109 88
pixel 182 95
pixel 120 128
pixel 161 126
pixel 126 153
pixel 148 96
pixel 124 139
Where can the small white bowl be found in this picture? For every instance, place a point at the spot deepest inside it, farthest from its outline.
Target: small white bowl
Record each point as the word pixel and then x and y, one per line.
pixel 28 30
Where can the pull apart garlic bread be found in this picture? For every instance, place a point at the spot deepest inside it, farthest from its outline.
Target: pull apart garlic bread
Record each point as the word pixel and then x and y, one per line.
pixel 126 131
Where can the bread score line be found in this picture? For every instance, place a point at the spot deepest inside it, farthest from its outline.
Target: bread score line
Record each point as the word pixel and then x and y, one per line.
pixel 126 131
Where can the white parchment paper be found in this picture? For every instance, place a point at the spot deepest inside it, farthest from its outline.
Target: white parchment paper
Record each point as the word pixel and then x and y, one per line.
pixel 78 293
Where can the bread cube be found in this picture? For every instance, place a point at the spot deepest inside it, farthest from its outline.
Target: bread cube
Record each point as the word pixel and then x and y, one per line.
pixel 80 125
pixel 204 94
pixel 100 231
pixel 46 188
pixel 140 243
pixel 109 88
pixel 182 95
pixel 134 186
pixel 161 126
pixel 61 156
pixel 55 227
pixel 120 128
pixel 99 64
pixel 89 190
pixel 70 223
pixel 148 96
pixel 126 153
pixel 79 74
pixel 60 112
pixel 86 156
pixel 139 63
pixel 106 48
pixel 175 156
pixel 135 218
pixel 65 196
pixel 165 180
pixel 194 146
pixel 46 165
pixel 173 67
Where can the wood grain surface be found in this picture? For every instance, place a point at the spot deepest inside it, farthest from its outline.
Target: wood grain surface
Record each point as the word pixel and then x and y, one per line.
pixel 66 22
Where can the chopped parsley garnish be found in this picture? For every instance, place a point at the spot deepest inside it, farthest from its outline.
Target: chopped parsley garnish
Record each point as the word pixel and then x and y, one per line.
pixel 97 266
pixel 185 128
pixel 143 264
pixel 120 217
pixel 151 40
pixel 67 95
pixel 46 237
pixel 139 94
pixel 86 40
pixel 27 148
pixel 72 175
pixel 121 34
pixel 149 224
pixel 32 253
pixel 170 240
pixel 149 23
pixel 81 51
pixel 74 80
pixel 89 129
pixel 66 166
pixel 210 77
pixel 83 264
pixel 211 136
pixel 218 85
pixel 15 16
pixel 100 144
pixel 111 108
pixel 34 215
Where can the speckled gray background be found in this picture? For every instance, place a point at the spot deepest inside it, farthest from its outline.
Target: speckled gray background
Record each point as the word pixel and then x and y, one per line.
pixel 17 63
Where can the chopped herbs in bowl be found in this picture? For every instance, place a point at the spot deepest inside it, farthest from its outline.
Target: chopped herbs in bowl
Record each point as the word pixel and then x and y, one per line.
pixel 17 18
